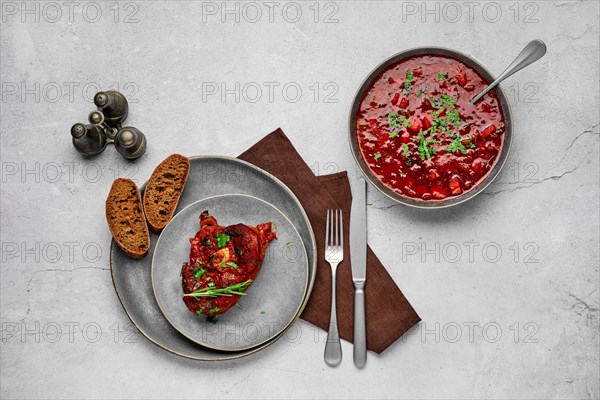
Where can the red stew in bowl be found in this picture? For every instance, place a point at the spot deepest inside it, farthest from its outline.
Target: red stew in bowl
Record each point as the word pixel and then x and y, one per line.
pixel 419 134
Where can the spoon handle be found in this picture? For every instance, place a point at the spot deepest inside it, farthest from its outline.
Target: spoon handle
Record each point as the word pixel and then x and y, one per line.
pixel 530 54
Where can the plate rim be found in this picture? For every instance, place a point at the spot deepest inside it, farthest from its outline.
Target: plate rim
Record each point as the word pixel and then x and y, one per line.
pixel 306 264
pixel 228 356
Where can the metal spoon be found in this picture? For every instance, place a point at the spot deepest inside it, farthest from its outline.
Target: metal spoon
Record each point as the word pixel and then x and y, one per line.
pixel 530 54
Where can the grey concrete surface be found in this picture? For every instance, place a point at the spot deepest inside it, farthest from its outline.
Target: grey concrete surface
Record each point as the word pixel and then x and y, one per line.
pixel 507 284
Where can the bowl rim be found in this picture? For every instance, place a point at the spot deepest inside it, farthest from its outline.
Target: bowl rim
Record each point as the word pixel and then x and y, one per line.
pixel 439 51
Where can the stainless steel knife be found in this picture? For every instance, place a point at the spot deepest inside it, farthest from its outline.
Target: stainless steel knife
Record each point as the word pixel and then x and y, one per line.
pixel 358 259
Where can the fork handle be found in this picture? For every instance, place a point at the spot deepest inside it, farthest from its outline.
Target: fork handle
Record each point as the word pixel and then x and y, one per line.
pixel 360 332
pixel 333 348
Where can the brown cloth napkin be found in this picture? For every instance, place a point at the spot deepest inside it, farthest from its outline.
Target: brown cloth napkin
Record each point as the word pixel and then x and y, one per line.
pixel 388 312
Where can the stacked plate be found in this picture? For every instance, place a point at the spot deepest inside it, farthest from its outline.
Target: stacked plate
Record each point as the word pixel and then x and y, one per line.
pixel 233 191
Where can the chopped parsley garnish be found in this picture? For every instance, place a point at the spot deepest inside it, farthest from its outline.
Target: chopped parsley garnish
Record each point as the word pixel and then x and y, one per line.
pixel 229 263
pixel 447 100
pixel 200 272
pixel 214 310
pixel 212 319
pixel 409 79
pixel 441 76
pixel 238 305
pixel 439 124
pixel 453 117
pixel 425 151
pixel 456 145
pixel 263 312
pixel 396 122
pixel 222 239
pixel 446 119
pixel 404 149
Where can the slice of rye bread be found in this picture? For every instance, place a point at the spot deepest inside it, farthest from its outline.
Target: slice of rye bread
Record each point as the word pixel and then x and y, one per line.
pixel 164 190
pixel 125 217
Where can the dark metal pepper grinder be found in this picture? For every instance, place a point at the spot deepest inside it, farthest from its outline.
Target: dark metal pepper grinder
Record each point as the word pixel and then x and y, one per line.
pixel 113 105
pixel 106 128
pixel 130 142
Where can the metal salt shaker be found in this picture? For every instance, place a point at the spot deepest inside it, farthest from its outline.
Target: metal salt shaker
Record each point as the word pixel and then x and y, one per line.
pixel 88 139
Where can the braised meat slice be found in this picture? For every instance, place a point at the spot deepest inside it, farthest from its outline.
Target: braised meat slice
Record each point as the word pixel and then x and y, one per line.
pixel 224 261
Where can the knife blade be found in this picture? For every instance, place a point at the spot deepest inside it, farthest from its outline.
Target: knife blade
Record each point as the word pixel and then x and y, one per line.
pixel 358 259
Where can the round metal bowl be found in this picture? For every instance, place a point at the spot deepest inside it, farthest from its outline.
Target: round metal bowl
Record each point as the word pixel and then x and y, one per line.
pixel 409 201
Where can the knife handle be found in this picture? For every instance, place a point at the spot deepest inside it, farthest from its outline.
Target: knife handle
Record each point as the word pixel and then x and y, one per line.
pixel 360 331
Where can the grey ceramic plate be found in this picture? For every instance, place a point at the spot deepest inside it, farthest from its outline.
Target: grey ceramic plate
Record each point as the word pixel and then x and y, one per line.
pixel 209 176
pixel 271 302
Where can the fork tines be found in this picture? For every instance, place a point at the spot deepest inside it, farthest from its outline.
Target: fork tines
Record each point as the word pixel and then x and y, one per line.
pixel 334 230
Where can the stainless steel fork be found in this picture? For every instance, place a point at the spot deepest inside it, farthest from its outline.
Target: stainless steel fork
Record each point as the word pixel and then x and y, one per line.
pixel 334 254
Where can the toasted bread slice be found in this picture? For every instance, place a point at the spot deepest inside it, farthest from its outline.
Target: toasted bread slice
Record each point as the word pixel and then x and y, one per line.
pixel 125 217
pixel 164 190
